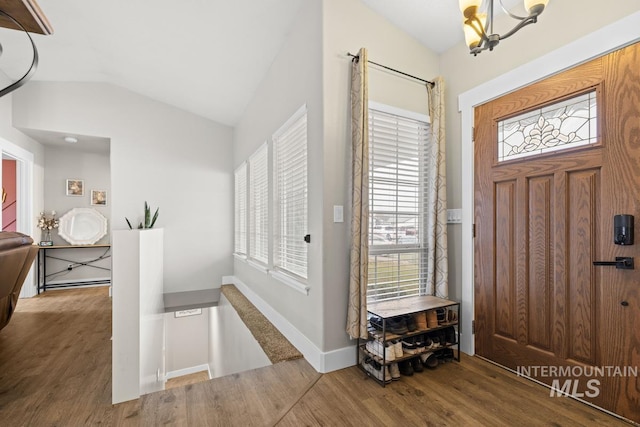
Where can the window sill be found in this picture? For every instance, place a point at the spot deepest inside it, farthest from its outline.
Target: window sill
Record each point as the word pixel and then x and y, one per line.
pixel 291 282
pixel 240 257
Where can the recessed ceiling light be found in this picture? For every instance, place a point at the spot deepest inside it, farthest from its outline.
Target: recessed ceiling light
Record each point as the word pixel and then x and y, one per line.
pixel 71 139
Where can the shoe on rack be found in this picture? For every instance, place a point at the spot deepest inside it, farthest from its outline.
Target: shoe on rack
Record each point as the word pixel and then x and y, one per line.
pixel 428 344
pixel 435 338
pixel 372 348
pixel 445 355
pixel 419 343
pixel 387 375
pixel 450 336
pixel 442 315
pixel 432 319
pixel 397 325
pixel 429 360
pixel 389 352
pixel 405 368
pixel 397 347
pixel 376 348
pixel 367 364
pixel 409 347
pixel 394 370
pixel 421 320
pixel 411 323
pixel 376 370
pixel 416 364
pixel 376 322
pixel 452 316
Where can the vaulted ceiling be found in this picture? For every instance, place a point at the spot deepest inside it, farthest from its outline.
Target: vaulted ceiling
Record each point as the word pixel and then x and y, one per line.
pixel 204 56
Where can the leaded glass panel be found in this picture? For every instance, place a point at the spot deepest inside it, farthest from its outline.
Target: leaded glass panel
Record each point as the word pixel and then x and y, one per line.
pixel 566 124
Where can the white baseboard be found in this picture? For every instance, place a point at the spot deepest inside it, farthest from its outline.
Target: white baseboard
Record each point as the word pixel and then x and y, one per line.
pixel 322 362
pixel 188 371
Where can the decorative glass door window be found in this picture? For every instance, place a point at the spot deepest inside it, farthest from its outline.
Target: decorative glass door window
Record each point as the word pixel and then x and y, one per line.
pixel 567 124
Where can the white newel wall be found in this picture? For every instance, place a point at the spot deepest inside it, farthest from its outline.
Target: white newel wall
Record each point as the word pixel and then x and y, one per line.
pixel 232 346
pixel 138 313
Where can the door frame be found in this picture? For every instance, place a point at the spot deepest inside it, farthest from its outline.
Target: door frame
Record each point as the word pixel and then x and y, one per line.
pixel 614 36
pixel 24 190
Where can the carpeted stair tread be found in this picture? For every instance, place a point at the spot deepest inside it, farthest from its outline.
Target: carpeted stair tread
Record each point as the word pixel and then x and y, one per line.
pixel 275 345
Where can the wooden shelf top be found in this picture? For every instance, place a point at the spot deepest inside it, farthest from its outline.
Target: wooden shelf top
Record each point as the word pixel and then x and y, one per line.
pixel 27 13
pixel 408 305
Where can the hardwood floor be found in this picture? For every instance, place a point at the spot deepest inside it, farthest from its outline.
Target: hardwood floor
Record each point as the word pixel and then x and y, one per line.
pixel 185 380
pixel 55 370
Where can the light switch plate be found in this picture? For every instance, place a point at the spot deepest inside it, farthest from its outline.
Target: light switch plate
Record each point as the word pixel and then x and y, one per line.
pixel 338 213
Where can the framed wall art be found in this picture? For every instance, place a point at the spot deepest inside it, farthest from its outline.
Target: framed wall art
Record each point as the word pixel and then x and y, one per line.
pixel 75 187
pixel 98 197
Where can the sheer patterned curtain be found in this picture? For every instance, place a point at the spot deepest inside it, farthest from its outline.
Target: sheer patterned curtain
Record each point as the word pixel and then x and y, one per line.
pixel 357 310
pixel 436 238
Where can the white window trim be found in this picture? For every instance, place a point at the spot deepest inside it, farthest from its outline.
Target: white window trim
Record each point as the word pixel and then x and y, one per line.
pixel 246 213
pixel 288 275
pixel 260 265
pixel 295 284
pixel 398 248
pixel 390 109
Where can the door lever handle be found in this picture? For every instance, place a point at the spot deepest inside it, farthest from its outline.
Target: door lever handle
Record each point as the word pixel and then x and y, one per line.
pixel 623 263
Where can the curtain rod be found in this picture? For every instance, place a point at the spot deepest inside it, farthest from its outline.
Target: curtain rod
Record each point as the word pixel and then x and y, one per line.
pixel 393 69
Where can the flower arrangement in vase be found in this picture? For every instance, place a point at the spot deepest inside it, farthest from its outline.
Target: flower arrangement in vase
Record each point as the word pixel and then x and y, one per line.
pixel 47 224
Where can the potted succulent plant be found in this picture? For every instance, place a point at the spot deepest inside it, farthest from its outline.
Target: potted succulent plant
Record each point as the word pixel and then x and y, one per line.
pixel 149 221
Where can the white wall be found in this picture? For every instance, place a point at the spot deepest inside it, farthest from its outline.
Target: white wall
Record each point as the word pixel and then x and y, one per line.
pixel 187 341
pixel 138 362
pixel 294 79
pixel 94 168
pixel 173 159
pixel 232 346
pixel 64 163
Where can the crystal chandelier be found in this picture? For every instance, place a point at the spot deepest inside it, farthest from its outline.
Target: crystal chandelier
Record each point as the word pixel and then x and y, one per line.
pixel 478 27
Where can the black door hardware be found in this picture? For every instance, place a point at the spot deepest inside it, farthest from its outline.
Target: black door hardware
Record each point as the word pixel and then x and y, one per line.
pixel 623 263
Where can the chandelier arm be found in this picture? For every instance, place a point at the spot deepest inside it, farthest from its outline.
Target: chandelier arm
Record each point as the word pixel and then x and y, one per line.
pixel 34 62
pixel 504 9
pixel 478 27
pixel 527 21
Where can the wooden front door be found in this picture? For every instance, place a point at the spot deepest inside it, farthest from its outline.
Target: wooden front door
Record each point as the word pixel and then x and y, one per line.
pixel 542 308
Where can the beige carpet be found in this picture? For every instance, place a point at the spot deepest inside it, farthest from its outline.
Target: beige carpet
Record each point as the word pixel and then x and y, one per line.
pixel 275 345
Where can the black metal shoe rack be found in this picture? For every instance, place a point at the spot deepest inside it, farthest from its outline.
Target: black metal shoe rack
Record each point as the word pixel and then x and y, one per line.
pixel 388 311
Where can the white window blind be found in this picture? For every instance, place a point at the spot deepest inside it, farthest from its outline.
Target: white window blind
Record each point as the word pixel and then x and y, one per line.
pixel 259 205
pixel 240 196
pixel 290 184
pixel 397 182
